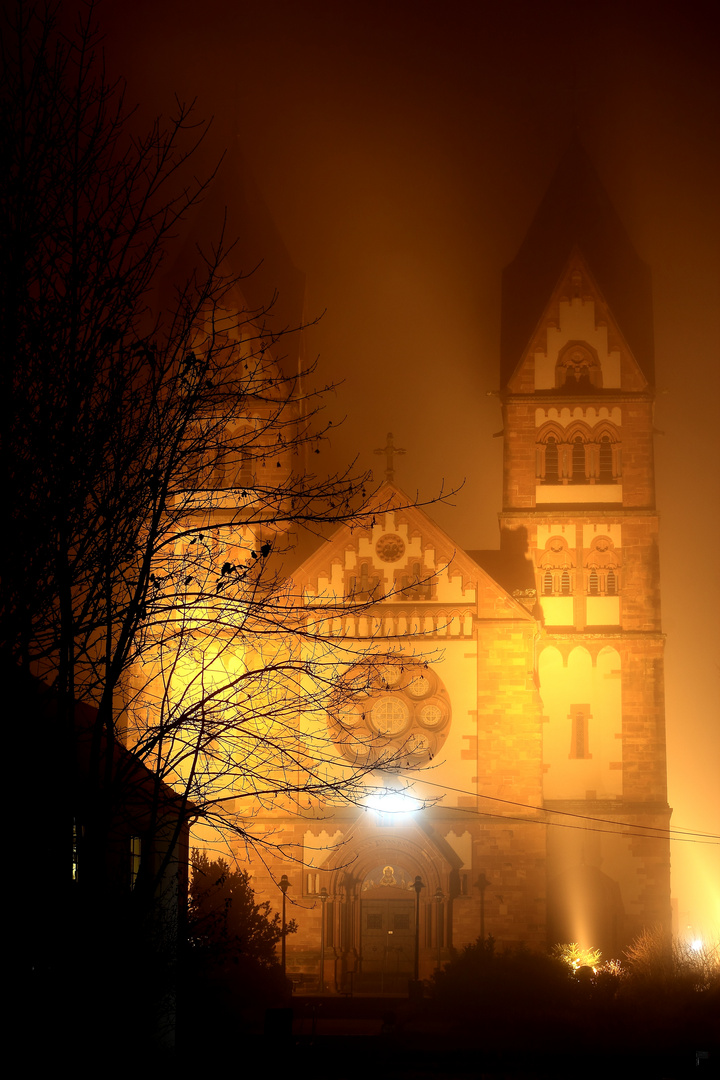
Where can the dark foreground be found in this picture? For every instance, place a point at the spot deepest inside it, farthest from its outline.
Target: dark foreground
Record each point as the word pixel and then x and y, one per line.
pixel 363 1037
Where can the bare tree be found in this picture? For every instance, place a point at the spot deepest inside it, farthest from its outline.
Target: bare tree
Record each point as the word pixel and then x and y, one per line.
pixel 157 470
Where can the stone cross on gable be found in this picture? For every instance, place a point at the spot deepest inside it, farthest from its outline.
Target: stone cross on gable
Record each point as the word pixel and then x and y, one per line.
pixel 388 450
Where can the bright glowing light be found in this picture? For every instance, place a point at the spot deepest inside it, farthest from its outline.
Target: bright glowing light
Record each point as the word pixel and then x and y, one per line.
pixel 577 956
pixel 392 801
pixel 696 945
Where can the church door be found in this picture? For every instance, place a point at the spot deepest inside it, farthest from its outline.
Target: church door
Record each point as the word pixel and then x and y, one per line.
pixel 387 944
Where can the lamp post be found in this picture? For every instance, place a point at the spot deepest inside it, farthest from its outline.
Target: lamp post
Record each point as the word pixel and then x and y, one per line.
pixel 323 901
pixel 417 886
pixel 439 897
pixel 482 884
pixel 284 885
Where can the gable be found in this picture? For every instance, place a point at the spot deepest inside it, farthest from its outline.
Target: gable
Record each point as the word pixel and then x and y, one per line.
pixel 398 559
pixel 577 345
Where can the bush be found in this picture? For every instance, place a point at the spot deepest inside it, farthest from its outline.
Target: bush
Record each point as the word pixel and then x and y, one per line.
pixel 656 959
pixel 232 940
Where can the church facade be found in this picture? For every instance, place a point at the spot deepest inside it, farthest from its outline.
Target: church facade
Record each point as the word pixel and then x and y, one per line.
pixel 523 690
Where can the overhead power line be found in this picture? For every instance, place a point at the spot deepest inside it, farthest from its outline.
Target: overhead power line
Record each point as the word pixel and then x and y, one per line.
pixel 652 832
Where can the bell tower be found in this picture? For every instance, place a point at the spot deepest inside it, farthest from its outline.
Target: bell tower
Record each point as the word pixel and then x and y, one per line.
pixel 579 498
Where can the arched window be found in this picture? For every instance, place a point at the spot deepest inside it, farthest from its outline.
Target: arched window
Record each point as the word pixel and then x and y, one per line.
pixel 606 461
pixel 364 584
pixel 547 583
pixel 417 585
pixel 551 461
pixel 565 582
pixel 578 369
pixel 603 568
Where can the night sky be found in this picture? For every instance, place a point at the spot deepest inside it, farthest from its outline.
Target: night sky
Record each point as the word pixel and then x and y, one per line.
pixel 392 156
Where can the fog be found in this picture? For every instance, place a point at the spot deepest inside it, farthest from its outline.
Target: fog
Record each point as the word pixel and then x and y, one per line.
pixel 385 160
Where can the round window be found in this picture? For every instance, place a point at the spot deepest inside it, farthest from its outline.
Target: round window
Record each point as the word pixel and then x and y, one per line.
pixel 431 715
pixel 390 716
pixel 394 713
pixel 419 686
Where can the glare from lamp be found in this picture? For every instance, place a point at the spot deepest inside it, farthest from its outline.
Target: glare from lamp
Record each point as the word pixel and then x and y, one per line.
pixel 392 801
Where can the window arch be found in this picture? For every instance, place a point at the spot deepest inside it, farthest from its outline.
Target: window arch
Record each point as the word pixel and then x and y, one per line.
pixel 362 585
pixel 602 566
pixel 552 461
pixel 550 454
pixel 579 454
pixel 557 572
pixel 578 369
pixel 415 582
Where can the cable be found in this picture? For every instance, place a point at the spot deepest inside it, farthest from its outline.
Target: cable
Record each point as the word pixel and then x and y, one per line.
pixel 656 833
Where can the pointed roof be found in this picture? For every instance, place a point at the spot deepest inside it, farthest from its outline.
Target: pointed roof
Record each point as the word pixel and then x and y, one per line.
pixel 269 281
pixel 576 213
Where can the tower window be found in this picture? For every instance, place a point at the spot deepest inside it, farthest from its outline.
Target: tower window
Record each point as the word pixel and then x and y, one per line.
pixel 551 461
pixel 578 461
pixel 579 740
pixel 556 570
pixel 606 461
pixel 603 568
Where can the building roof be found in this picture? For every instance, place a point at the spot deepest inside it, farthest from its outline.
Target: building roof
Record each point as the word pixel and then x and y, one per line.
pixel 576 213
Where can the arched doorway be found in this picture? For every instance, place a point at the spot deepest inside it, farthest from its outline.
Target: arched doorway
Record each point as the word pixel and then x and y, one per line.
pixel 387 929
pixel 372 904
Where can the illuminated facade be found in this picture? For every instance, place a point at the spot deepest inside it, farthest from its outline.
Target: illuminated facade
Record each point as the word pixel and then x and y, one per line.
pixel 532 726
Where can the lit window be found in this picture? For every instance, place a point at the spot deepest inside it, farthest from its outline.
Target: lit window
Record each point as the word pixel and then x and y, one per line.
pixel 135 855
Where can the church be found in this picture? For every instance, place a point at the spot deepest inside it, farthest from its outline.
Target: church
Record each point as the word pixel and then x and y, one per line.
pixel 523 697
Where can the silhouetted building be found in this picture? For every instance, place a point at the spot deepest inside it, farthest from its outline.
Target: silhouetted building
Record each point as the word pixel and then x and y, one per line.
pixel 103 913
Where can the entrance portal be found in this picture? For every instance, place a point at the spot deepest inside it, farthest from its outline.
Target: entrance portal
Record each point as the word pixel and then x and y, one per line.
pixel 387 930
pixel 387 945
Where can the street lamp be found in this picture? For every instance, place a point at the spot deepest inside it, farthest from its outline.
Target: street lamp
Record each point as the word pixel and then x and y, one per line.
pixel 323 901
pixel 439 897
pixel 417 886
pixel 482 884
pixel 284 885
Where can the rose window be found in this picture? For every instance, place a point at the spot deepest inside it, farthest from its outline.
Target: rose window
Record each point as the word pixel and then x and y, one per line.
pixel 390 547
pixel 394 716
